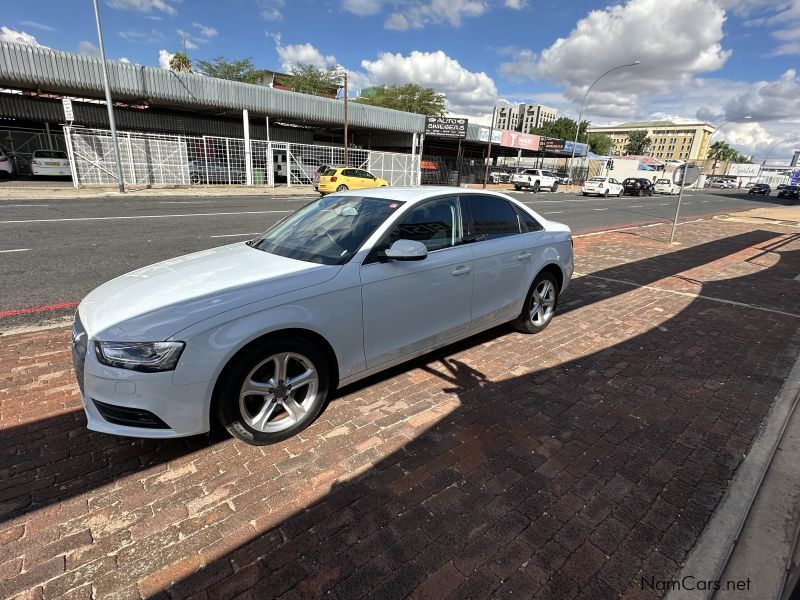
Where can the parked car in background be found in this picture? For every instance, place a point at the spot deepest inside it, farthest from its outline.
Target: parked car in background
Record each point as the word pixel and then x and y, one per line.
pixel 760 188
pixel 780 186
pixel 6 164
pixel 534 180
pixel 216 172
pixel 602 186
pixel 790 192
pixel 340 179
pixel 254 335
pixel 720 183
pixel 317 174
pixel 499 176
pixel 50 163
pixel 665 186
pixel 638 186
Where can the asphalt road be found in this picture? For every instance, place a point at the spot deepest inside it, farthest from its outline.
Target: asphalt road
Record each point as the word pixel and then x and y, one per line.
pixel 52 253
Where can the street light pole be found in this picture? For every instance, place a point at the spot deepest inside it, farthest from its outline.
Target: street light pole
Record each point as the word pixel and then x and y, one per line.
pixel 713 133
pixel 109 106
pixel 580 111
pixel 346 142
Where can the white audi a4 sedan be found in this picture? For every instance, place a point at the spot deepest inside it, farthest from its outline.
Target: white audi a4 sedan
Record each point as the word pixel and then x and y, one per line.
pixel 256 334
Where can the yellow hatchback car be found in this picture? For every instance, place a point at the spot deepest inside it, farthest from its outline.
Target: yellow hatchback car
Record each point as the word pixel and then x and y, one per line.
pixel 339 179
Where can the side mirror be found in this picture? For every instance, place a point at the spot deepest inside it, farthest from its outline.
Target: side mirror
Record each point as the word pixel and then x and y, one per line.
pixel 407 250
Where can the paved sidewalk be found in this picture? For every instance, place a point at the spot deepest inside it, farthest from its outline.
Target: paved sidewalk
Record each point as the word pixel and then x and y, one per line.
pixel 67 192
pixel 565 465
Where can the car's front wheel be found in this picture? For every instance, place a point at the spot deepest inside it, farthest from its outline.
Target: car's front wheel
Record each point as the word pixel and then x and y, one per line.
pixel 276 389
pixel 540 305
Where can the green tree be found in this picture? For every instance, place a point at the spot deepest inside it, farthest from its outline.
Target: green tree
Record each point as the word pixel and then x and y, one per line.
pixel 242 69
pixel 409 97
pixel 638 142
pixel 180 62
pixel 310 79
pixel 742 159
pixel 600 143
pixel 722 151
pixel 562 128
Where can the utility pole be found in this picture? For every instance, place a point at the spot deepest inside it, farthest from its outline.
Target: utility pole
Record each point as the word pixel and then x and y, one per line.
pixel 489 153
pixel 346 142
pixel 109 105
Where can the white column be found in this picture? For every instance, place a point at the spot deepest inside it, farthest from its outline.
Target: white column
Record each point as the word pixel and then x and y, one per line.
pixel 419 171
pixel 248 156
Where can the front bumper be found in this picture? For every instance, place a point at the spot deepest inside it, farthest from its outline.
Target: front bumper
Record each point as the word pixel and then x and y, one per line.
pixel 134 404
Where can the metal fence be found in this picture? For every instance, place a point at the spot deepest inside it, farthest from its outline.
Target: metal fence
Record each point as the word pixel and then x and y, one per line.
pixel 155 159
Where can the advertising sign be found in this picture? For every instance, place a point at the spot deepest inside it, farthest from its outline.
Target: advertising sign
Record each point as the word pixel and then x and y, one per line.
pixel 795 180
pixel 483 135
pixel 69 115
pixel 743 170
pixel 450 127
pixel 516 139
pixel 551 145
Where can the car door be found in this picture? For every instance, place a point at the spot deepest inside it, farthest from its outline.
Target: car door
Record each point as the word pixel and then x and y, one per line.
pixel 503 258
pixel 409 306
pixel 617 186
pixel 367 179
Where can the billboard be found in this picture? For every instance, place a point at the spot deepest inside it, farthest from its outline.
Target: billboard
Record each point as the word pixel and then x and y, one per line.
pixel 516 139
pixel 743 170
pixel 450 127
pixel 795 180
pixel 551 145
pixel 483 135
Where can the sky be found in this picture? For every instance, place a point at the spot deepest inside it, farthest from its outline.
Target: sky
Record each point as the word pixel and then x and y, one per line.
pixel 709 60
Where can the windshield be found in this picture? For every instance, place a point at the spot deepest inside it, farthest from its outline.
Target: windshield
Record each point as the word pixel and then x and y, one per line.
pixel 329 231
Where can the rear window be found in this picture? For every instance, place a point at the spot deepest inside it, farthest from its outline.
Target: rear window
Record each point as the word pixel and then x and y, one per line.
pixel 663 181
pixel 629 181
pixel 49 154
pixel 329 172
pixel 597 179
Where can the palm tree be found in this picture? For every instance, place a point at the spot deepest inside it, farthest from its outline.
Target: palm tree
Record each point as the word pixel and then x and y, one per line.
pixel 180 62
pixel 721 151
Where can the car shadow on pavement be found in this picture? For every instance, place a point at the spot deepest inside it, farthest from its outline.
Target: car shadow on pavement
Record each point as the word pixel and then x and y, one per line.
pixel 565 481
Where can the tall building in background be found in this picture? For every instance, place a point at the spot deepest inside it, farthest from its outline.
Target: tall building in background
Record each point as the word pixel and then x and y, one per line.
pixel 668 140
pixel 524 117
pixel 795 159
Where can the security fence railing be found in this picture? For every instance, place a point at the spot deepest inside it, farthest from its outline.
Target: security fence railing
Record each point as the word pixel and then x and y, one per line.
pixel 157 159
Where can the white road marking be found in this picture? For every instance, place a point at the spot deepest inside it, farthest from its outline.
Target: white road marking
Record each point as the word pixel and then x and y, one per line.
pixel 664 204
pixel 246 212
pixel 599 209
pixel 185 202
pixel 16 250
pixel 553 212
pixel 23 205
pixel 232 235
pixel 636 206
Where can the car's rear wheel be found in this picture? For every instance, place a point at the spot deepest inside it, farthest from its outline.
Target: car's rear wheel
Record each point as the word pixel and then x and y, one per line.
pixel 195 179
pixel 639 193
pixel 585 193
pixel 535 187
pixel 605 194
pixel 540 305
pixel 517 187
pixel 342 188
pixel 554 187
pixel 276 389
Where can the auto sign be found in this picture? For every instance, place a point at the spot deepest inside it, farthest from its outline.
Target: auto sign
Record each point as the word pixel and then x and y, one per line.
pixel 446 127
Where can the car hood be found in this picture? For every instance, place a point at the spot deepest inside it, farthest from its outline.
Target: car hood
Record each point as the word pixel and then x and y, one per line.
pixel 153 303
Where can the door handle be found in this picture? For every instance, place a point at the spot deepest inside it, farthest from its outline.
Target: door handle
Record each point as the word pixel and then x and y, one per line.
pixel 524 255
pixel 461 271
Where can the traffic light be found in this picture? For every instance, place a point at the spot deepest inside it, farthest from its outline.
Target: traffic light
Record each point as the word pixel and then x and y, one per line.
pixel 610 164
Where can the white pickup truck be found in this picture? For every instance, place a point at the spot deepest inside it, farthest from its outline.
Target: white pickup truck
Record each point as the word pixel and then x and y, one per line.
pixel 534 180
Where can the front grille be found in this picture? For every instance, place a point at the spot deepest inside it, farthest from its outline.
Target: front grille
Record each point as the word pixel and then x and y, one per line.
pixel 130 417
pixel 79 345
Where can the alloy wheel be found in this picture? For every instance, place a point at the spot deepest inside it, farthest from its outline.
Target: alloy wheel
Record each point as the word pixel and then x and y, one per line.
pixel 543 303
pixel 278 392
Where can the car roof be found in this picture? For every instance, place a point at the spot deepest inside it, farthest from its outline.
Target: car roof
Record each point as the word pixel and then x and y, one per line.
pixel 413 194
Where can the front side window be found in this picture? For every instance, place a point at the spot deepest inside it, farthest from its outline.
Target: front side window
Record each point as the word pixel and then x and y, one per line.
pixel 329 231
pixel 492 217
pixel 437 224
pixel 350 173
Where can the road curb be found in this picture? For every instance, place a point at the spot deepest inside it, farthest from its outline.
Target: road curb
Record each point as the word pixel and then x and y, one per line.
pixel 711 553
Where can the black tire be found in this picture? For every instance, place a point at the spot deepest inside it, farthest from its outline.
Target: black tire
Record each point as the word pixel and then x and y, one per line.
pixel 342 188
pixel 517 187
pixel 535 187
pixel 524 321
pixel 228 410
pixel 195 179
pixel 605 194
pixel 554 187
pixel 639 193
pixel 651 193
pixel 585 194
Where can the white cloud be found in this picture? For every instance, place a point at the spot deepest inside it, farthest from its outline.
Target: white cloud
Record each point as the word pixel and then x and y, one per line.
pixel 205 31
pixel 124 60
pixel 271 10
pixel 434 12
pixel 362 7
pixel 186 39
pixel 164 57
pixel 466 92
pixel 36 25
pixel 768 100
pixel 293 54
pixel 18 37
pixel 674 41
pixel 88 49
pixel 144 5
pixel 142 37
pixel 516 4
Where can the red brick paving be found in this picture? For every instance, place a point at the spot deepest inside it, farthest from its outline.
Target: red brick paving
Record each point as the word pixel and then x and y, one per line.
pixel 564 465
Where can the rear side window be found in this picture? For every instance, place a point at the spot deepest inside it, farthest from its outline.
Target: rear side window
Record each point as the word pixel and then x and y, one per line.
pixel 492 217
pixel 528 222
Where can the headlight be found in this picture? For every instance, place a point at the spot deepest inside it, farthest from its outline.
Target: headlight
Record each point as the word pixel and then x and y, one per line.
pixel 140 356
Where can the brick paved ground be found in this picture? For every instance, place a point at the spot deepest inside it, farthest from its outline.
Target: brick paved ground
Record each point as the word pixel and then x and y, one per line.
pixel 565 465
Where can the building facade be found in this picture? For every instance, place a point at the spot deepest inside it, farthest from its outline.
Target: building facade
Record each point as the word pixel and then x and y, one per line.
pixel 668 140
pixel 523 117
